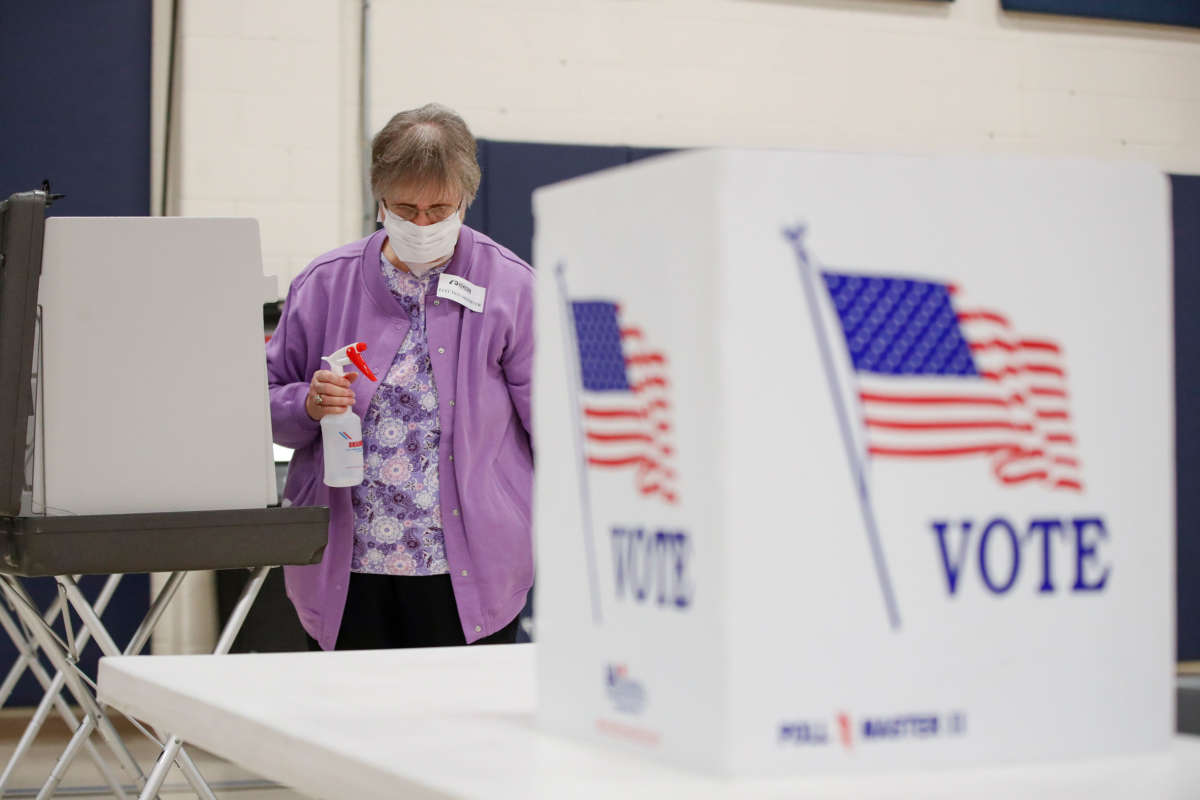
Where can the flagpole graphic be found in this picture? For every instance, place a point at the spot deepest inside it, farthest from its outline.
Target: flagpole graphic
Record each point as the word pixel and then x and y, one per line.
pixel 574 384
pixel 795 236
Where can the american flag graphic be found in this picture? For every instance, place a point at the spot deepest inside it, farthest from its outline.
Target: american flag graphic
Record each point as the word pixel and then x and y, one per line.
pixel 937 378
pixel 625 399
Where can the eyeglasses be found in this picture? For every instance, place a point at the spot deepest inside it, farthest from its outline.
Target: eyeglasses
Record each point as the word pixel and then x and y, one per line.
pixel 409 212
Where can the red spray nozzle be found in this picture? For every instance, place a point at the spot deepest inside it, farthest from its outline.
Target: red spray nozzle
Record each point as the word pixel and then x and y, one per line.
pixel 352 353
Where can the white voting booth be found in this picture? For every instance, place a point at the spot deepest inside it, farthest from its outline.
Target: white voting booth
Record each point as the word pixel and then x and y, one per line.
pixel 151 333
pixel 855 463
pixel 154 368
pixel 151 445
pixel 158 351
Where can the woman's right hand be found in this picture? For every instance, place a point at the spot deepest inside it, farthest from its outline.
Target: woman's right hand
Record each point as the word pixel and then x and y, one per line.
pixel 329 394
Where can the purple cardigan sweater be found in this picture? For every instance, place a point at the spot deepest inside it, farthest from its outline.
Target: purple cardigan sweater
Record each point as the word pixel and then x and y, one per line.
pixel 483 368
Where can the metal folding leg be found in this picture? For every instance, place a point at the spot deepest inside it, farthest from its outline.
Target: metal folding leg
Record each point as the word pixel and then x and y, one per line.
pixel 52 688
pixel 74 681
pixel 159 774
pixel 119 544
pixel 25 649
pixel 94 627
pixel 142 635
pixel 173 751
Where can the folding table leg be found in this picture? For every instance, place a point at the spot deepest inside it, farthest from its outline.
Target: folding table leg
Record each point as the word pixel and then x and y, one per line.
pixel 241 609
pixel 163 599
pixel 27 612
pixel 137 642
pixel 109 647
pixel 93 626
pixel 192 773
pixel 172 752
pixel 66 757
pixel 159 773
pixel 28 650
pixel 18 667
pixel 25 651
pixel 87 613
pixel 188 767
pixel 52 697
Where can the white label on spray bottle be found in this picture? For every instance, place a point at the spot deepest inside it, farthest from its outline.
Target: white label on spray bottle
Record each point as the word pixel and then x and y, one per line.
pixel 343 448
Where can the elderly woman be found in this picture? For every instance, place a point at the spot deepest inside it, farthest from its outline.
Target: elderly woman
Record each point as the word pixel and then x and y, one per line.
pixel 434 546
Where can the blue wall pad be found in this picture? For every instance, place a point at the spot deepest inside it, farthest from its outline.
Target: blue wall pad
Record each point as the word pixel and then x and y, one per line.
pixel 512 170
pixel 1185 191
pixel 75 89
pixel 75 105
pixel 1165 12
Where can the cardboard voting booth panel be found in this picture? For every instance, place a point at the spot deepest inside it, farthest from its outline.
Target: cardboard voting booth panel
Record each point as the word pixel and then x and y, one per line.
pixel 155 379
pixel 855 462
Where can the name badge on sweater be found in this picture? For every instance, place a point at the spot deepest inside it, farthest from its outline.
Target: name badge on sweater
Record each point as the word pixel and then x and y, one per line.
pixel 461 291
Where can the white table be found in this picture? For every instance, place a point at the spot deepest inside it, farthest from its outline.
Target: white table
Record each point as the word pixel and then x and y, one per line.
pixel 458 722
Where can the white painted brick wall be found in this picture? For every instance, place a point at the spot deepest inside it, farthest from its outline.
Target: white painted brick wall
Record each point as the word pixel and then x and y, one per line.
pixel 905 75
pixel 270 106
pixel 263 111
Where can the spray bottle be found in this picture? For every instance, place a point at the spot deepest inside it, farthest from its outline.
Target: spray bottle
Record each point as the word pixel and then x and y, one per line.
pixel 341 434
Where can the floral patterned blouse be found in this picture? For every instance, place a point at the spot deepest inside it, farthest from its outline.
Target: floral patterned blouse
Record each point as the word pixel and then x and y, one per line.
pixel 397 509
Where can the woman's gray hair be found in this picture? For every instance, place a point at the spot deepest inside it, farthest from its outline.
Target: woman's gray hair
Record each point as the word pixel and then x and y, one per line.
pixel 430 144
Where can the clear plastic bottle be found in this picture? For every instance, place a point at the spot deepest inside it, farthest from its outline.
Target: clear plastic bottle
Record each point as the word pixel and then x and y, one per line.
pixel 341 434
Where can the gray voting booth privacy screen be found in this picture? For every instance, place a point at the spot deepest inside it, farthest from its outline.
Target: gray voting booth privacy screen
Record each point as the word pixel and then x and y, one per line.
pixel 21 238
pixel 21 226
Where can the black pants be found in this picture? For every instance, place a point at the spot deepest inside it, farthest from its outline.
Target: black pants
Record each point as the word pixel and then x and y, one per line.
pixel 388 611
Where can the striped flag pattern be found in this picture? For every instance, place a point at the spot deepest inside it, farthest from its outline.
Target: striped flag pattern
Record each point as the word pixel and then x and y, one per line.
pixel 625 399
pixel 938 379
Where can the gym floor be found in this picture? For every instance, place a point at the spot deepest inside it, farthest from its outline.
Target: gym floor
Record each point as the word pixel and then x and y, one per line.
pixel 84 781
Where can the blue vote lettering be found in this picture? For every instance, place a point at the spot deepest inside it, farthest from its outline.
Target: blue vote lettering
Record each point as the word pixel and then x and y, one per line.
pixel 1001 550
pixel 652 566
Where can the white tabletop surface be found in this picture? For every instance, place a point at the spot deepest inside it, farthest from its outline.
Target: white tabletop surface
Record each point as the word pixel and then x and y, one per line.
pixel 458 722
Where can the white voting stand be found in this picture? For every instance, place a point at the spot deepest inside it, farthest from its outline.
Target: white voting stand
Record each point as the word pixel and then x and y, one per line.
pixel 152 450
pixel 757 555
pixel 304 719
pixel 153 363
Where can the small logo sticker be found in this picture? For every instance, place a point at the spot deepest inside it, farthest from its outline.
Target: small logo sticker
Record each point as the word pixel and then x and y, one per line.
pixel 626 694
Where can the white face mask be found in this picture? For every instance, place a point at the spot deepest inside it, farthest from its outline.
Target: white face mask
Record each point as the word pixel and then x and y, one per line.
pixel 421 247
